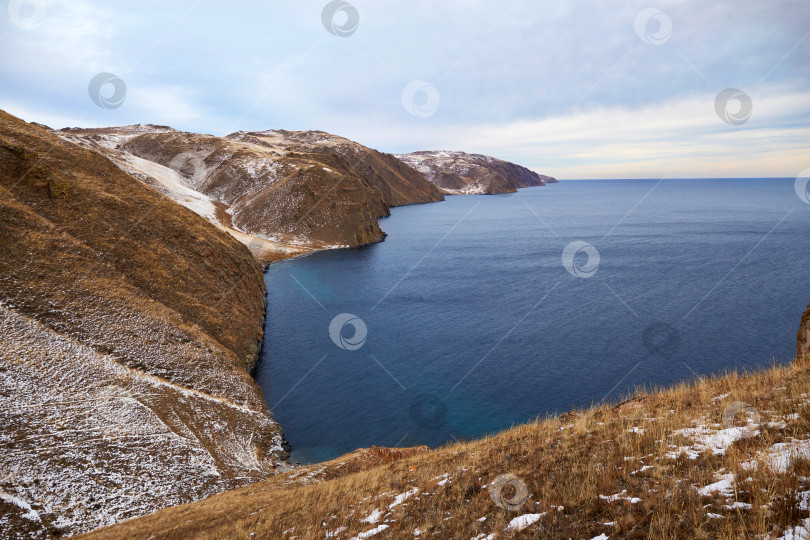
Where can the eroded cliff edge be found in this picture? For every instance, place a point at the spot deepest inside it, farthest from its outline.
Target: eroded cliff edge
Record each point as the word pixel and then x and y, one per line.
pixel 803 338
pixel 130 326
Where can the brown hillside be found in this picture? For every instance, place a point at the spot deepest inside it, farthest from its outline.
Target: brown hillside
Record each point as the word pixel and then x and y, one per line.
pixel 397 183
pixel 462 173
pixel 305 189
pixel 130 325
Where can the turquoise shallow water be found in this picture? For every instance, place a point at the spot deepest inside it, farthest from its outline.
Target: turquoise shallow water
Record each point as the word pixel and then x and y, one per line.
pixel 473 322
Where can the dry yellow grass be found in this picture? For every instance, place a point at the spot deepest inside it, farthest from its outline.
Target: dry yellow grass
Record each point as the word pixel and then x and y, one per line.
pixel 569 465
pixel 128 328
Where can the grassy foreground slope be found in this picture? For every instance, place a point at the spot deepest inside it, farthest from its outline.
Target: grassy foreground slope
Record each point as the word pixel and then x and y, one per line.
pixel 129 328
pixel 721 457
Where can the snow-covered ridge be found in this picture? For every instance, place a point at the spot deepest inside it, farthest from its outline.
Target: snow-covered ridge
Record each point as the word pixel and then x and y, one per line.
pixel 460 173
pixel 187 190
pixel 284 137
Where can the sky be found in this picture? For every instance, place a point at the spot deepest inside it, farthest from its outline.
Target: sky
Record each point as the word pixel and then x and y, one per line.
pixel 573 89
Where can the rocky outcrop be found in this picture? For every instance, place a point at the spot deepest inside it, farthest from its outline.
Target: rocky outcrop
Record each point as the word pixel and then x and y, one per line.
pixel 130 326
pixel 462 173
pixel 803 338
pixel 305 190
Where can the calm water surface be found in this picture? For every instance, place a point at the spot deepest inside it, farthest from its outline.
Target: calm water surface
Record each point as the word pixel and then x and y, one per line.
pixel 474 323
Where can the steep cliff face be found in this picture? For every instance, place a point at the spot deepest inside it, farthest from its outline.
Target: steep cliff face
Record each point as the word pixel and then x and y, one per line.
pixel 803 338
pixel 296 189
pixel 397 184
pixel 130 325
pixel 462 173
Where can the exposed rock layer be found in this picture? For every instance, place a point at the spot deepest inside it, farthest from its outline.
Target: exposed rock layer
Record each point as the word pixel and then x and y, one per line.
pixel 130 326
pixel 803 338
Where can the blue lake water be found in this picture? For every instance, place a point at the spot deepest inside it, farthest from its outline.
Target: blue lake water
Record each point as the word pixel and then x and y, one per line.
pixel 473 323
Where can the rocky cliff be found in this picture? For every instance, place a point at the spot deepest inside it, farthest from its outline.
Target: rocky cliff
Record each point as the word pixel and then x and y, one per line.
pixel 297 190
pixel 803 338
pixel 130 326
pixel 462 173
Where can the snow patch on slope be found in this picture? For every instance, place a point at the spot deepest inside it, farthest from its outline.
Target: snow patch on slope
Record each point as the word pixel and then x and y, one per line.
pixel 172 184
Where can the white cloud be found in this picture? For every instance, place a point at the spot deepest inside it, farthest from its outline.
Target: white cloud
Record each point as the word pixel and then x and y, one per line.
pixel 170 104
pixel 565 87
pixel 679 138
pixel 74 35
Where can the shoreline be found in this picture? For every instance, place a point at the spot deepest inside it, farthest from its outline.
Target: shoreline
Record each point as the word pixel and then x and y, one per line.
pixel 266 267
pixel 404 229
pixel 689 415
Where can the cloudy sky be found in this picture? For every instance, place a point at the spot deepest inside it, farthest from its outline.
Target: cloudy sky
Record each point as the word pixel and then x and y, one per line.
pixel 575 89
